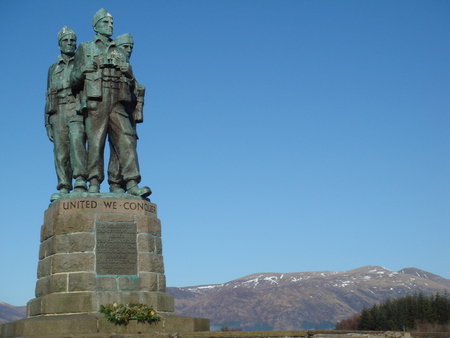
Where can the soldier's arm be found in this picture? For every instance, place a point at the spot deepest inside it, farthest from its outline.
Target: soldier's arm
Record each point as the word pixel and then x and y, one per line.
pixel 48 105
pixel 80 67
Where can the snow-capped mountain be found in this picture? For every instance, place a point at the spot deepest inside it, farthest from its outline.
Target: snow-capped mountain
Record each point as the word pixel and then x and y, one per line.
pixel 303 300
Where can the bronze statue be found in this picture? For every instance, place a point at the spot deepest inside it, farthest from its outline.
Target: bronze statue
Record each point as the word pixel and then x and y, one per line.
pixel 64 120
pixel 135 112
pixel 102 76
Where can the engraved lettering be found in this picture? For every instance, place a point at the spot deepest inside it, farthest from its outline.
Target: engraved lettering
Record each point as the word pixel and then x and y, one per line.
pixel 116 249
pixel 68 205
pixel 109 205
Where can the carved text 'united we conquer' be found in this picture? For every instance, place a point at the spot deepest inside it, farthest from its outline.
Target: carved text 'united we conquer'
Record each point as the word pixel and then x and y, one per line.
pixel 108 205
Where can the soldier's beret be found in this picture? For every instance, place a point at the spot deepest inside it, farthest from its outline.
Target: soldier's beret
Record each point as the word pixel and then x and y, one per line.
pixel 65 31
pixel 124 38
pixel 101 13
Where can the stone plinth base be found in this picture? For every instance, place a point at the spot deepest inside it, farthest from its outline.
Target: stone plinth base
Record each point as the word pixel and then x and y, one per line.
pixel 96 325
pixel 96 251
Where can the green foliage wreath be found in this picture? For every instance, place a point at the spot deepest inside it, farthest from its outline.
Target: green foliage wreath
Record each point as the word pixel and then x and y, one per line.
pixel 123 313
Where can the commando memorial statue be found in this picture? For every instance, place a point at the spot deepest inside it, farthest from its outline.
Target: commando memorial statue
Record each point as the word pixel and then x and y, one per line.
pixel 92 94
pixel 99 253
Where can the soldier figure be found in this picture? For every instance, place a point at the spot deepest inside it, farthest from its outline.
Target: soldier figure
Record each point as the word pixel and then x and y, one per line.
pixel 135 113
pixel 64 121
pixel 102 76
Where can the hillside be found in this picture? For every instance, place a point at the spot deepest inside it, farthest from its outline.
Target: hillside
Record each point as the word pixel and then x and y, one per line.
pixel 303 300
pixel 10 312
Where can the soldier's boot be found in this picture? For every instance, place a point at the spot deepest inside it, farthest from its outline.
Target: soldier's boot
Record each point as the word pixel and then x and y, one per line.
pixel 62 191
pixel 133 189
pixel 94 186
pixel 116 188
pixel 80 184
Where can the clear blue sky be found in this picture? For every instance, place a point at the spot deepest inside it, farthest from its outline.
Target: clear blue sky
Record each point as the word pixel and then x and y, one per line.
pixel 279 136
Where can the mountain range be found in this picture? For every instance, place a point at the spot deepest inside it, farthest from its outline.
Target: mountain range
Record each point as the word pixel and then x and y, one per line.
pixel 290 301
pixel 302 300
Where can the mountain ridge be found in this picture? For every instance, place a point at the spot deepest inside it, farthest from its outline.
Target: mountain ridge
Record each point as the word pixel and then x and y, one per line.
pixel 301 300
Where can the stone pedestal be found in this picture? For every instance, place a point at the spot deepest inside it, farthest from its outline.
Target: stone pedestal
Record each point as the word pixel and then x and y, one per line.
pixel 96 250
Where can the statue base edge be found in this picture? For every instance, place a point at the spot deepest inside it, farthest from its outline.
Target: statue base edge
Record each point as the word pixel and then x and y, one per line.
pixel 96 325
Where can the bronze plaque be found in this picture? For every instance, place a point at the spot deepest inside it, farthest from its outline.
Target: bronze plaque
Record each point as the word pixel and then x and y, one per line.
pixel 116 249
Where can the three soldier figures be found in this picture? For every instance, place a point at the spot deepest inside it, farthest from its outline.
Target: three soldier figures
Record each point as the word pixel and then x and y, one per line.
pixel 93 94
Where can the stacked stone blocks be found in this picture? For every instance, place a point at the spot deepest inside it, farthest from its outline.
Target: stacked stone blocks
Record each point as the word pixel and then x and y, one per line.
pixel 70 274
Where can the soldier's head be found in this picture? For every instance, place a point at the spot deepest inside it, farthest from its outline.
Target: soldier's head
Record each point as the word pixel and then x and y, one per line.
pixel 102 22
pixel 125 41
pixel 67 41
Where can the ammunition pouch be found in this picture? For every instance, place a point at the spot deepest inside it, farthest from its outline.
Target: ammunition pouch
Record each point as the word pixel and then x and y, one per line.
pixel 138 112
pixel 93 85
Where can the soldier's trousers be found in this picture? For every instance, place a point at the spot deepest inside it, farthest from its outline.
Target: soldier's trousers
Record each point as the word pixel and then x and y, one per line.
pixel 114 171
pixel 69 145
pixel 108 117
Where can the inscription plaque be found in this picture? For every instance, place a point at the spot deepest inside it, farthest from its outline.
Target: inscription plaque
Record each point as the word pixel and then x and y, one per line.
pixel 116 249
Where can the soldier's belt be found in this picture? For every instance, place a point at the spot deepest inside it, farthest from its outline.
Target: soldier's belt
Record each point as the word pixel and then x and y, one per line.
pixel 65 100
pixel 65 96
pixel 64 92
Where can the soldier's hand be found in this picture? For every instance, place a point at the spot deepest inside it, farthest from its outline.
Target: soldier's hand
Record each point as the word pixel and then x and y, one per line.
pixel 49 132
pixel 126 69
pixel 90 68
